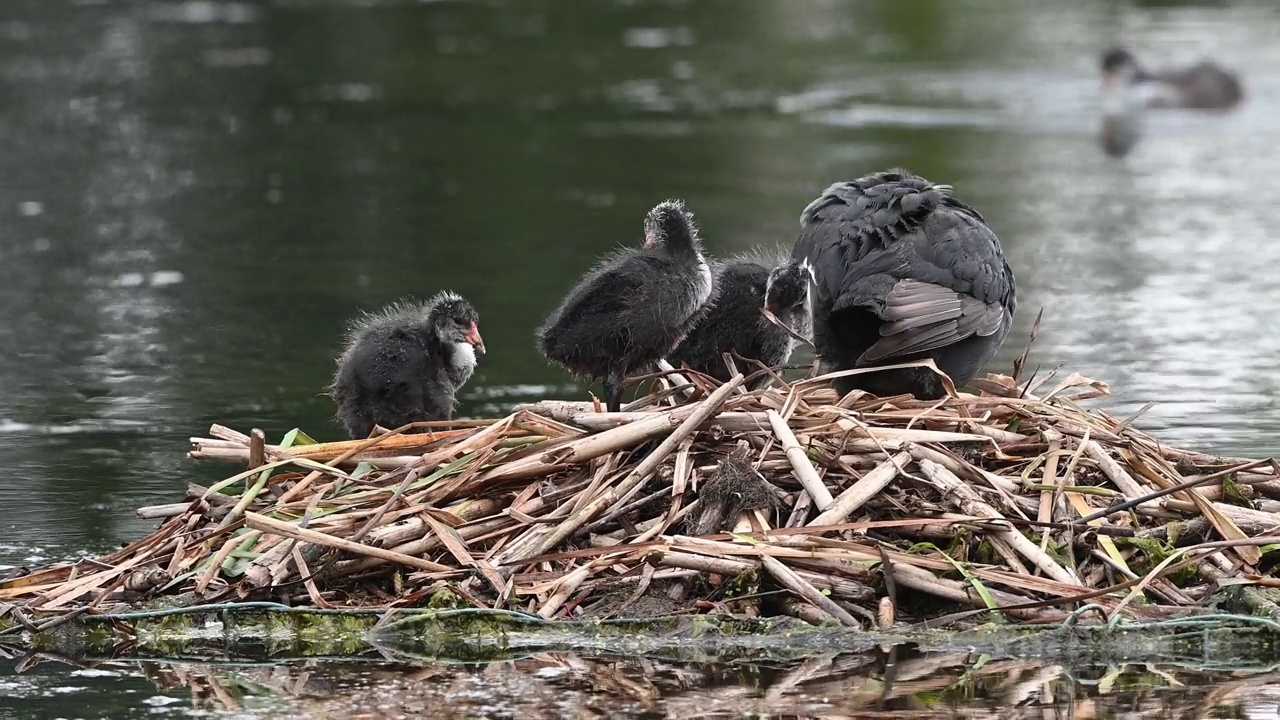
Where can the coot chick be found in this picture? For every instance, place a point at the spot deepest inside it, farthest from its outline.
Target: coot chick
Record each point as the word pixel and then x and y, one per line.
pixel 406 363
pixel 634 306
pixel 1203 86
pixel 745 285
pixel 903 271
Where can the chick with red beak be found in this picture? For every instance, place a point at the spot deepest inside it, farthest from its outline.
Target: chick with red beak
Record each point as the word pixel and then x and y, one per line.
pixel 406 363
pixel 473 337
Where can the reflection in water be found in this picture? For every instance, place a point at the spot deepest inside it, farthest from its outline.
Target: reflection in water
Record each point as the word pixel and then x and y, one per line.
pixel 1123 117
pixel 1119 133
pixel 898 683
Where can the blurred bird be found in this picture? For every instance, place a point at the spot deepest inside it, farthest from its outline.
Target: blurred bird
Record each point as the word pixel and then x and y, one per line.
pixel 1204 86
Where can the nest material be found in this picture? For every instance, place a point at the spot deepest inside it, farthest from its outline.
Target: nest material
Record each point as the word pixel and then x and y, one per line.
pixel 1015 500
pixel 734 487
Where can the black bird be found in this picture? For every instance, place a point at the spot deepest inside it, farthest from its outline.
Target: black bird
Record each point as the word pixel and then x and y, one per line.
pixel 1203 86
pixel 406 363
pixel 745 285
pixel 634 306
pixel 903 271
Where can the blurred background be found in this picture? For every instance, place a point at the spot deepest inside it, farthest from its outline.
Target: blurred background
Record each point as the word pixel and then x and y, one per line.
pixel 196 196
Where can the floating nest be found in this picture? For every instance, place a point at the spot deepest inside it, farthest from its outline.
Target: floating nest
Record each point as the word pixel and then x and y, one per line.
pixel 708 498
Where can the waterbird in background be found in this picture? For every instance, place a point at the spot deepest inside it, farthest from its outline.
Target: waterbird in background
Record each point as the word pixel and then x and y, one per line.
pixel 746 284
pixel 1203 86
pixel 406 363
pixel 633 308
pixel 903 271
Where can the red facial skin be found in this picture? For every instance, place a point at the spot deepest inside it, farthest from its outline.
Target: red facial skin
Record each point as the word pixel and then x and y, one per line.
pixel 473 337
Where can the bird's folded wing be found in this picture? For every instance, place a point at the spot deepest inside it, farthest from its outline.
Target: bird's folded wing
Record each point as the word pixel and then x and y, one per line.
pixel 919 317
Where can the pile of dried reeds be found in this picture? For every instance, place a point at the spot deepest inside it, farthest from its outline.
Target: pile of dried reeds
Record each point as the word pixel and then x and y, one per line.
pixel 867 510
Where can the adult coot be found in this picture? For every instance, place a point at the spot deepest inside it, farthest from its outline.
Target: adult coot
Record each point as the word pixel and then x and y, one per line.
pixel 903 271
pixel 634 306
pixel 1204 86
pixel 405 363
pixel 745 285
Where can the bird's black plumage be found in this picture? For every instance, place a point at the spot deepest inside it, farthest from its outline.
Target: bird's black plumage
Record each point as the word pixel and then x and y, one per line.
pixel 903 271
pixel 634 306
pixel 406 363
pixel 745 285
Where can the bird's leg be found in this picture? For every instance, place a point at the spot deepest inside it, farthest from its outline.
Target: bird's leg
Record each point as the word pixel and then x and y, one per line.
pixel 613 389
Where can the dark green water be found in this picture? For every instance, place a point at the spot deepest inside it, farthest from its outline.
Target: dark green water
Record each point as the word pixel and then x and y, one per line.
pixel 195 196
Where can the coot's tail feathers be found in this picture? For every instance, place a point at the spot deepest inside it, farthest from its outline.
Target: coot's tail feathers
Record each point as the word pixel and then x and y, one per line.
pixel 669 223
pixel 920 317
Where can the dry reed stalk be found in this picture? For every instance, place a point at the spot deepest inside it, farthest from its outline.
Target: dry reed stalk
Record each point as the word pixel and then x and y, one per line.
pixel 581 472
pixel 800 463
pixel 308 580
pixel 1233 513
pixel 289 530
pixel 674 557
pixel 1162 474
pixel 952 487
pixel 356 447
pixel 1117 474
pixel 1003 485
pixel 565 587
pixel 227 434
pixel 72 589
pixel 548 429
pixel 1048 498
pixel 679 482
pixel 588 419
pixel 956 591
pixel 867 487
pixel 257 448
pixel 544 461
pixel 273 550
pixel 161 512
pixel 796 584
pixel 680 382
pixel 695 417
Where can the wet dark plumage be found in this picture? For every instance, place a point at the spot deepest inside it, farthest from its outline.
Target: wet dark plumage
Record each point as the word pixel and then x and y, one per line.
pixel 744 286
pixel 406 363
pixel 903 271
pixel 634 306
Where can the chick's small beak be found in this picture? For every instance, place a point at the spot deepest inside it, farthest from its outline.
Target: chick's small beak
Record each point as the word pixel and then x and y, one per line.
pixel 473 337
